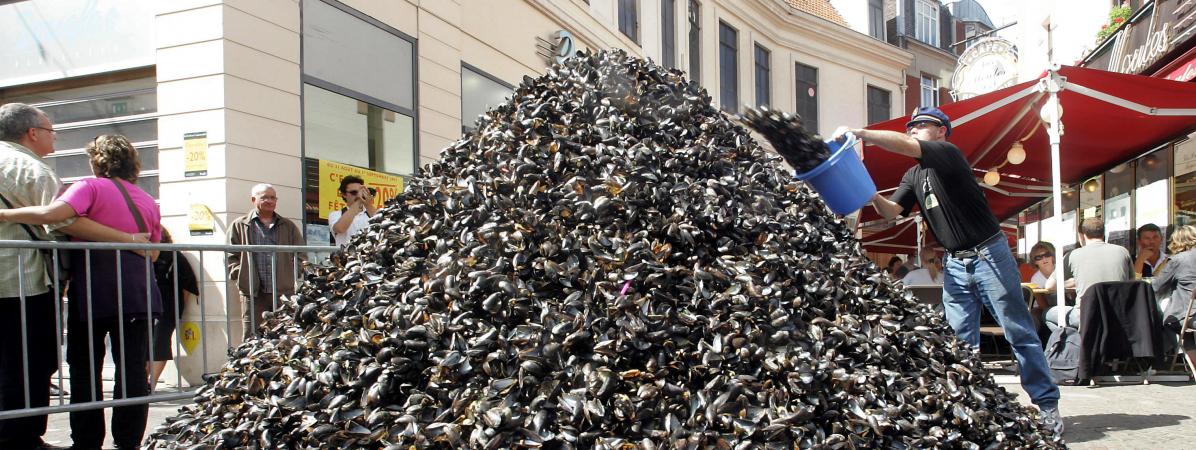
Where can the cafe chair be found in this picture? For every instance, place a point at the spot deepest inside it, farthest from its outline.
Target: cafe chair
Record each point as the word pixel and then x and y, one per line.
pixel 1186 348
pixel 991 330
pixel 1120 322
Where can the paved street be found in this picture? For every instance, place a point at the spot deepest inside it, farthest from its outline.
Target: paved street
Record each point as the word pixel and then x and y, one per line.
pixel 1155 417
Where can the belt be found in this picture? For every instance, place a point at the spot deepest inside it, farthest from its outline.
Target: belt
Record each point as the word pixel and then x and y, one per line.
pixel 975 251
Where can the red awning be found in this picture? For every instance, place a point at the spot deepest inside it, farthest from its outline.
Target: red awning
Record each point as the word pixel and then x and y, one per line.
pixel 1108 118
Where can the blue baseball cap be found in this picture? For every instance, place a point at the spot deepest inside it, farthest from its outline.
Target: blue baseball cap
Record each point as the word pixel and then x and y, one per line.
pixel 929 114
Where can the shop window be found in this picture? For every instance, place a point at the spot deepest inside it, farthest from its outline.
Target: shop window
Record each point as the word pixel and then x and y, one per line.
pixel 358 107
pixel 695 42
pixel 930 90
pixel 127 108
pixel 728 67
pixel 668 33
pixel 1118 208
pixel 479 93
pixel 1152 199
pixel 926 21
pixel 807 95
pixel 1091 194
pixel 763 76
pixel 350 131
pixel 876 19
pixel 350 50
pixel 629 20
pixel 879 104
pixel 1185 182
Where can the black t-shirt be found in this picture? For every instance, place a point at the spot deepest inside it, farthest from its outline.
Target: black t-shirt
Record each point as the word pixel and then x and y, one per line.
pixel 948 196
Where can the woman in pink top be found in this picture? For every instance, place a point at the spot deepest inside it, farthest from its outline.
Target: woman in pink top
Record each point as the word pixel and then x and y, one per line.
pixel 110 303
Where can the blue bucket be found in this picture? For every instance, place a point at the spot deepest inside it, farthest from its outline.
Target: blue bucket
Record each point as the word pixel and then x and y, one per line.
pixel 842 180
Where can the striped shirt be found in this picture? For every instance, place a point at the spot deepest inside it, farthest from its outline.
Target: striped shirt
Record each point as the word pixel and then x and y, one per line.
pixel 25 180
pixel 264 235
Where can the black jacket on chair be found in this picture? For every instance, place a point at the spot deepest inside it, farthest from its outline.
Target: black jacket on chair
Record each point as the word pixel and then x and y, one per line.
pixel 1119 320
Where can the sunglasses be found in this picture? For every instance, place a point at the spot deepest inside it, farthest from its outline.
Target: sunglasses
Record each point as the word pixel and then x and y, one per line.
pixel 1039 256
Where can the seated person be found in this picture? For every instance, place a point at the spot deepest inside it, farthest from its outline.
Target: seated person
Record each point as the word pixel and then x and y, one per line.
pixel 1174 283
pixel 1151 256
pixel 930 273
pixel 1094 262
pixel 1043 256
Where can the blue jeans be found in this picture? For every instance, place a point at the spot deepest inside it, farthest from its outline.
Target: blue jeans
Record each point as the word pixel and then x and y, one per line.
pixel 991 279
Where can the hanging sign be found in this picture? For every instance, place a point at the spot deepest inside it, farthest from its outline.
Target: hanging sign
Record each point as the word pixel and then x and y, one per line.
pixel 195 154
pixel 200 220
pixel 387 185
pixel 988 65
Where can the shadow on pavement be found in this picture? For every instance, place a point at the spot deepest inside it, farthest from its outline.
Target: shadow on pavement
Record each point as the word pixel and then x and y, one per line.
pixel 1096 426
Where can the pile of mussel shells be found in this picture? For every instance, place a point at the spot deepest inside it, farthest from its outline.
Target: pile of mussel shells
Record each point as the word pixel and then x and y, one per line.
pixel 606 262
pixel 786 133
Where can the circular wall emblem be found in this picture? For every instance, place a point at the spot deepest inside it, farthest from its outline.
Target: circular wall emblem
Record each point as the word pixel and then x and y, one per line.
pixel 988 65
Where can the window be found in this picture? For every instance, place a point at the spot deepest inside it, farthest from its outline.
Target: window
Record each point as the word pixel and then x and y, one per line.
pixel 930 90
pixel 763 76
pixel 126 107
pixel 728 67
pixel 350 131
pixel 695 42
pixel 926 25
pixel 629 20
pixel 358 102
pixel 668 33
pixel 479 93
pixel 807 96
pixel 876 19
pixel 879 105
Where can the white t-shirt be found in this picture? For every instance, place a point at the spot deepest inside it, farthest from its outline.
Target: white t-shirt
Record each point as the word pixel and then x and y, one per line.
pixel 921 277
pixel 359 223
pixel 1038 279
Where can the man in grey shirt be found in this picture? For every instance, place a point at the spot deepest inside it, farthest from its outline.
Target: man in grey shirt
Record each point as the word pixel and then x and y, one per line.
pixel 1094 262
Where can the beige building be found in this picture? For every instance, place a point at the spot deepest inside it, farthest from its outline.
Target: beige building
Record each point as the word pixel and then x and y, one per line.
pixel 223 94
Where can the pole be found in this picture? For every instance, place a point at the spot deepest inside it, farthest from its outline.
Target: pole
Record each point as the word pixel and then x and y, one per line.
pixel 1052 114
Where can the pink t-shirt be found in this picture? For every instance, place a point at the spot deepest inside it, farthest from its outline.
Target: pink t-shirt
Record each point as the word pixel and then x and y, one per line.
pixel 99 200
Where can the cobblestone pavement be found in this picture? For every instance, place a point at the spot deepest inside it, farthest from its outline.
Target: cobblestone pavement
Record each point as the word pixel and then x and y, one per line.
pixel 1132 416
pixel 1155 417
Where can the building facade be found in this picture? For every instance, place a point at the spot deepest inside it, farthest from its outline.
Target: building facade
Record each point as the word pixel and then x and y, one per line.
pixel 1158 185
pixel 220 95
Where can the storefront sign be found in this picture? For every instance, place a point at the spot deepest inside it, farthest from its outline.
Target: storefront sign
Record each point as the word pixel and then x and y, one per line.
pixel 1186 71
pixel 195 154
pixel 1140 57
pixel 387 185
pixel 1155 31
pixel 555 49
pixel 986 66
pixel 200 220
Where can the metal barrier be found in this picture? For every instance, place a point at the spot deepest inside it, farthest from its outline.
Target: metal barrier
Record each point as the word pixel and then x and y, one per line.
pixel 95 369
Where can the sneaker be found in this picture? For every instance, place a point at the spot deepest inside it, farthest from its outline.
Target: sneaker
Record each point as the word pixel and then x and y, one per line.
pixel 1050 419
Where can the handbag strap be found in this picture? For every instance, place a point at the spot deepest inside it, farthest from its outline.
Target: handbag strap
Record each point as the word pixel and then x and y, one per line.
pixel 129 201
pixel 26 227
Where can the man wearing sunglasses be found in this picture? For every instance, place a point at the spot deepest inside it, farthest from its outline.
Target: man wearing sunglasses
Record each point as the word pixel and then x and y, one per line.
pixel 355 216
pixel 979 269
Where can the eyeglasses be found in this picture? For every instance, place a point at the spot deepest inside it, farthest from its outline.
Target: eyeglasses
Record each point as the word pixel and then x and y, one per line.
pixel 51 130
pixel 1039 256
pixel 353 192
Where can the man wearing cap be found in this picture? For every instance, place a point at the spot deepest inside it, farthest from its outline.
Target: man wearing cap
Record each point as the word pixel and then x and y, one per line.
pixel 979 270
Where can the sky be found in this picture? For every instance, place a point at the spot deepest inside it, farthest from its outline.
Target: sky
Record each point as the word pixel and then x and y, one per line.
pixel 1001 11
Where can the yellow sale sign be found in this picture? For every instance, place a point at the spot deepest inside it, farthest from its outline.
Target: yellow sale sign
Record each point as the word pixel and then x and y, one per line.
pixel 388 185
